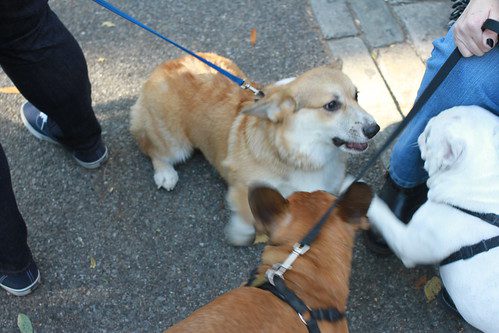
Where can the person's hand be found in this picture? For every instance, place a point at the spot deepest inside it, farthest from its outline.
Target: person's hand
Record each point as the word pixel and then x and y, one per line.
pixel 468 35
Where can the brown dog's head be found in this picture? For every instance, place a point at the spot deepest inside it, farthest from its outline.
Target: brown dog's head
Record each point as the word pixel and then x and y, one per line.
pixel 315 112
pixel 287 221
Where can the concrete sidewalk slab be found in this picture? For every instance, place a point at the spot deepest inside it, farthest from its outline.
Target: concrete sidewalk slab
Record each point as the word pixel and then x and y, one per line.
pixel 334 18
pixel 425 21
pixel 378 25
pixel 402 70
pixel 359 66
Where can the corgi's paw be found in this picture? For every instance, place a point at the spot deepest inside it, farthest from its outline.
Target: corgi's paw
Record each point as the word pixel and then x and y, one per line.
pixel 166 178
pixel 238 232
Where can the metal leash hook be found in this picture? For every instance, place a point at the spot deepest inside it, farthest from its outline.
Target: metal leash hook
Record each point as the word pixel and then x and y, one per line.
pixel 257 92
pixel 279 269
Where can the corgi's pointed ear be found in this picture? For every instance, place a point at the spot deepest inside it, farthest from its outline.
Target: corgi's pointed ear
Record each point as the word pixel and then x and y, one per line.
pixel 267 205
pixel 336 63
pixel 270 107
pixel 353 206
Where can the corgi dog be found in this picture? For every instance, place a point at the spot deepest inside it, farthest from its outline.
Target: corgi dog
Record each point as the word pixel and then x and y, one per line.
pixel 295 138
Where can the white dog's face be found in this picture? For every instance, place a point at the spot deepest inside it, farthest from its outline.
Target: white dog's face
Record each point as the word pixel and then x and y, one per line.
pixel 449 138
pixel 315 114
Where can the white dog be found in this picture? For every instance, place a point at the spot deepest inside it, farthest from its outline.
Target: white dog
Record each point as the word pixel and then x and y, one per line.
pixel 461 152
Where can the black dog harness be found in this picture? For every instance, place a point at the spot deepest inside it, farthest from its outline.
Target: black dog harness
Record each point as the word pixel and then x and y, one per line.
pixel 308 316
pixel 467 252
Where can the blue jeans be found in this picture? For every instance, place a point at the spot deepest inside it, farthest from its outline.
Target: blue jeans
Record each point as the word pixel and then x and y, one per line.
pixel 473 81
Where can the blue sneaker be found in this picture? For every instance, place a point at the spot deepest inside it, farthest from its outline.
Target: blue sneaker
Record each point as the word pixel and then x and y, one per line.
pixel 45 129
pixel 22 283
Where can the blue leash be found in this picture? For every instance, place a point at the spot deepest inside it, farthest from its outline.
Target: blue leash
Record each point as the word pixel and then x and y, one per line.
pixel 240 82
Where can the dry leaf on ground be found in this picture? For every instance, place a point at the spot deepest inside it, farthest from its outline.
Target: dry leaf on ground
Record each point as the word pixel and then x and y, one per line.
pixel 9 90
pixel 261 238
pixel 93 263
pixel 108 24
pixel 432 288
pixel 253 37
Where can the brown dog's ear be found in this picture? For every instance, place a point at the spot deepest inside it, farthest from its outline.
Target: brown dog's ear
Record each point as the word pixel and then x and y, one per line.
pixel 270 107
pixel 336 63
pixel 267 204
pixel 355 203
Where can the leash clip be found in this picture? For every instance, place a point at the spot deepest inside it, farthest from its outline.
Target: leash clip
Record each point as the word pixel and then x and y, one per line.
pixel 279 269
pixel 255 91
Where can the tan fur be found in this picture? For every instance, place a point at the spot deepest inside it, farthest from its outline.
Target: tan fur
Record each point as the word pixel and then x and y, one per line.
pixel 186 105
pixel 320 277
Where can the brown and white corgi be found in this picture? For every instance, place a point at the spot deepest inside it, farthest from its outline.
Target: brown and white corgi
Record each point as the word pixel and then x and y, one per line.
pixel 293 139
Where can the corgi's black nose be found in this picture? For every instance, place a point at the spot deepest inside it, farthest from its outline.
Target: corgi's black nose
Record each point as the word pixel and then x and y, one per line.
pixel 370 130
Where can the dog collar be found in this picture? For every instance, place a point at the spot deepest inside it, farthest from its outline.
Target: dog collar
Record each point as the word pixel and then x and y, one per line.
pixel 467 252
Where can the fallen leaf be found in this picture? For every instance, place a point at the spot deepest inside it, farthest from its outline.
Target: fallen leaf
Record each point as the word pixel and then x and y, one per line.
pixel 101 59
pixel 24 323
pixel 108 24
pixel 432 288
pixel 261 238
pixel 93 263
pixel 9 90
pixel 420 282
pixel 253 37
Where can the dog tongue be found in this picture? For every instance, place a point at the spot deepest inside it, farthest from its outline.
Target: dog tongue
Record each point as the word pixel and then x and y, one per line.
pixel 356 146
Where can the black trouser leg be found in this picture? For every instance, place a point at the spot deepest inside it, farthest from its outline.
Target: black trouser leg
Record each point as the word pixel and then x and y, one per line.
pixel 14 250
pixel 47 65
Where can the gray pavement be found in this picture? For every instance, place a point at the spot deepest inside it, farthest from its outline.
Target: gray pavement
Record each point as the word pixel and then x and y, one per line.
pixel 160 255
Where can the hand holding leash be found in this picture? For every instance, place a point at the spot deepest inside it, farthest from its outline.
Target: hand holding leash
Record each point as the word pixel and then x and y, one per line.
pixel 470 35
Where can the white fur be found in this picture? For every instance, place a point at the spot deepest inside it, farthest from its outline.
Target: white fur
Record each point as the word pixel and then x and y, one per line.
pixel 461 152
pixel 238 232
pixel 284 81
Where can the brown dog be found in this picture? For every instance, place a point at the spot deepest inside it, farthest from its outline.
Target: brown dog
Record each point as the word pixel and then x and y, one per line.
pixel 320 277
pixel 293 139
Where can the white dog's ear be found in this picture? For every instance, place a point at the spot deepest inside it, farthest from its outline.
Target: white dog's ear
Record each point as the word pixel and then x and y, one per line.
pixel 270 107
pixel 452 150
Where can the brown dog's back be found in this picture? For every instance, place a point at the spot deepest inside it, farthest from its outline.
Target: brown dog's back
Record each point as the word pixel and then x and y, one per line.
pixel 164 111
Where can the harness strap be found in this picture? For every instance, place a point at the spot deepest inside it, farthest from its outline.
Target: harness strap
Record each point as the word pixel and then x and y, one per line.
pixel 466 252
pixel 487 217
pixel 308 316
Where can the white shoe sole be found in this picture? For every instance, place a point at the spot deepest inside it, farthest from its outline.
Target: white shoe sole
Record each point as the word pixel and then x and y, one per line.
pixel 95 164
pixel 25 291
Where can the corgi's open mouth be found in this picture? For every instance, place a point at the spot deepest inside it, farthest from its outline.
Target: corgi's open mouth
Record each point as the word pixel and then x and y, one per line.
pixel 357 146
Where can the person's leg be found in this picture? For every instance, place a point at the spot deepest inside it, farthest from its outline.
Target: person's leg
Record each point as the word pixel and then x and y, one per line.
pixel 18 272
pixel 473 81
pixel 14 250
pixel 46 64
